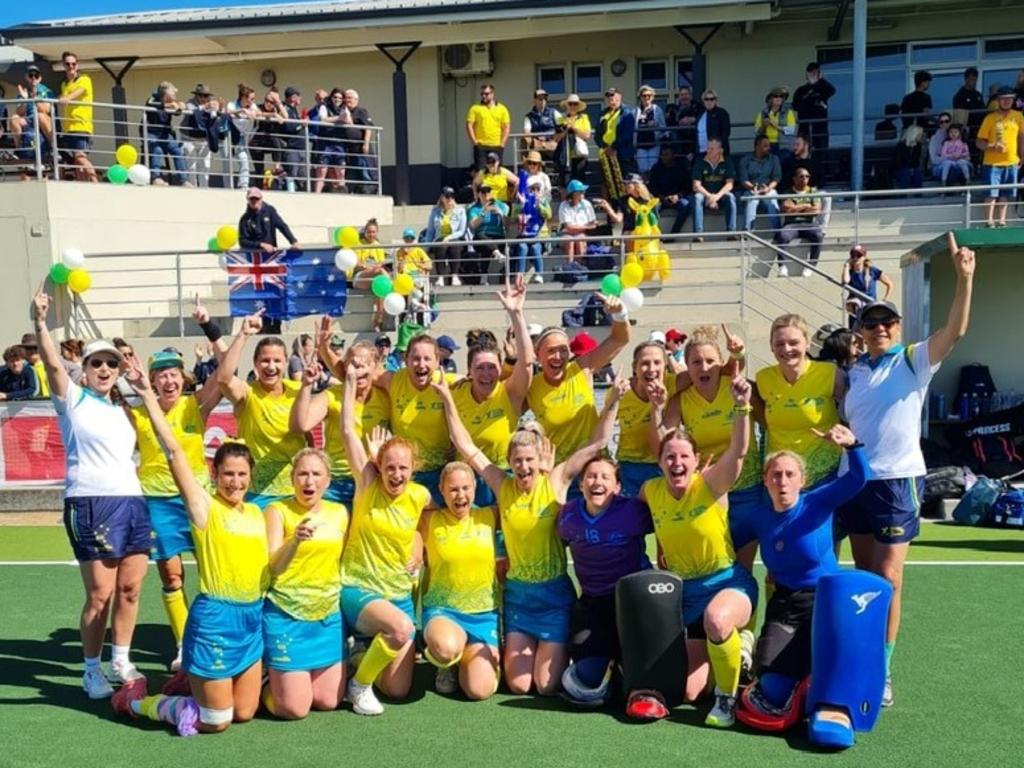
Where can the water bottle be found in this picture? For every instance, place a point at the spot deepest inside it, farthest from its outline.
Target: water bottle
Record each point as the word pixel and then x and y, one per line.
pixel 964 406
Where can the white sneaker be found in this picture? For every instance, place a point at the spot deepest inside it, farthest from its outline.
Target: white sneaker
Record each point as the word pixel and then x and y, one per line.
pixel 440 281
pixel 96 685
pixel 176 664
pixel 807 272
pixel 123 671
pixel 747 643
pixel 363 699
pixel 783 270
pixel 447 680
pixel 538 278
pixel 723 714
pixel 455 280
pixel 498 256
pixel 887 692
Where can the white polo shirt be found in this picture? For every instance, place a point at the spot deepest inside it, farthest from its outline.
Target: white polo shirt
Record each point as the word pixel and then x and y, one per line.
pixel 99 442
pixel 884 404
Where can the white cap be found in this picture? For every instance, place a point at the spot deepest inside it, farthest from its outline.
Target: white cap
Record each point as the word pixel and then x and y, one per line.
pixel 535 329
pixel 101 345
pixel 534 180
pixel 657 336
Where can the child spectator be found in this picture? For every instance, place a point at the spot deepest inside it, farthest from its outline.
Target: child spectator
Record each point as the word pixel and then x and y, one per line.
pixel 413 260
pixel 955 154
pixel 17 378
pixel 532 212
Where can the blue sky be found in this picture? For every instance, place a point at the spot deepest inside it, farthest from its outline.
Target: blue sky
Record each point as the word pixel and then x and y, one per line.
pixel 13 12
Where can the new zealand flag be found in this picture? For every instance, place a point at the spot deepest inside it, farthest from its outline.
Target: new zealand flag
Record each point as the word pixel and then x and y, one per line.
pixel 287 284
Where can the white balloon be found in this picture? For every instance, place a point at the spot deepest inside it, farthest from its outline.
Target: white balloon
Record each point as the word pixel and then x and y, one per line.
pixel 73 258
pixel 222 260
pixel 345 259
pixel 394 303
pixel 139 174
pixel 632 298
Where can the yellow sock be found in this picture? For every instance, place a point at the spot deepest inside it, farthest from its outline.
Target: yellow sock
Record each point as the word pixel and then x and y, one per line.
pixel 725 662
pixel 376 658
pixel 177 612
pixel 441 664
pixel 268 700
pixel 148 706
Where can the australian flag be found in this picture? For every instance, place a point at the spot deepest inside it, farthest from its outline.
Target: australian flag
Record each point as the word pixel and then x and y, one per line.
pixel 286 284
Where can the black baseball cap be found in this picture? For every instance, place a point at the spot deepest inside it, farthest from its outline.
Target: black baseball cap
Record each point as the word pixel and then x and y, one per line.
pixel 382 341
pixel 290 91
pixel 880 310
pixel 447 192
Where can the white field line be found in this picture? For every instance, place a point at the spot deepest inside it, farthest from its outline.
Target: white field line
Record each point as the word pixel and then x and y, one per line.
pixel 938 563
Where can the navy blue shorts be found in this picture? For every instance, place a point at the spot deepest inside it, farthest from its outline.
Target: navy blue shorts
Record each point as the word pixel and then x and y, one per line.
pixel 72 143
pixel 887 509
pixel 107 527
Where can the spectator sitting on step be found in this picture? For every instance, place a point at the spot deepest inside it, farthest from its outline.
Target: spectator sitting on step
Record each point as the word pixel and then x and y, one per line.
pixel 713 178
pixel 760 174
pixel 502 181
pixel 954 154
pixel 935 143
pixel 446 224
pixel 671 182
pixel 885 129
pixel 17 377
pixel 800 213
pixel 577 219
pixel 531 213
pixel 486 219
pixel 373 261
pixel 33 121
pixel 30 348
pixel 71 358
pixel 534 168
pixel 410 259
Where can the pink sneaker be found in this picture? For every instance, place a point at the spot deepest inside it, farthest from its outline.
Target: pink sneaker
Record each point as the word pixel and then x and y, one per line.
pixel 133 690
pixel 178 685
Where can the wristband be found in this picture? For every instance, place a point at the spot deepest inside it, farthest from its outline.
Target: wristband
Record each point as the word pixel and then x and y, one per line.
pixel 620 317
pixel 746 410
pixel 211 330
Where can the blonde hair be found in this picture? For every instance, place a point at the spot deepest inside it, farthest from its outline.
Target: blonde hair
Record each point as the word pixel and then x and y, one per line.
pixel 316 453
pixel 790 321
pixel 679 433
pixel 703 336
pixel 774 456
pixel 529 435
pixel 912 135
pixel 456 466
pixel 363 346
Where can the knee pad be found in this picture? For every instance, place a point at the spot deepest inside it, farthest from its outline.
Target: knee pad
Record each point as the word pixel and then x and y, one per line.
pixel 216 717
pixel 649 617
pixel 579 693
pixel 851 612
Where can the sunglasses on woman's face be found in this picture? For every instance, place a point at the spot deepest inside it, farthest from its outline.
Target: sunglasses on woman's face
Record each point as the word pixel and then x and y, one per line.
pixel 99 362
pixel 870 325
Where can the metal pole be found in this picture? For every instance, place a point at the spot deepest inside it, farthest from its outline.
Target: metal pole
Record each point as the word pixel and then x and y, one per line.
pixel 856 217
pixel 399 99
pixel 860 44
pixel 181 304
pixel 39 144
pixel 744 260
pixel 967 209
pixel 309 167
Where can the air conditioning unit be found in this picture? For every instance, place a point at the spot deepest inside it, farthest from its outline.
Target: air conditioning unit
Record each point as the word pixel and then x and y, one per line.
pixel 463 60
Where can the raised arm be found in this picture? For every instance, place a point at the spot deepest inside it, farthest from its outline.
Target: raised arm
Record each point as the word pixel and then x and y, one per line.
pixel 724 473
pixel 664 414
pixel 562 475
pixel 232 387
pixel 615 342
pixel 323 335
pixel 941 343
pixel 463 442
pixel 55 373
pixel 514 300
pixel 363 468
pixel 282 552
pixel 308 410
pixel 197 500
pixel 824 499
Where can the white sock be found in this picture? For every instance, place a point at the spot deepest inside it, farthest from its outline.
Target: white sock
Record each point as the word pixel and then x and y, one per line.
pixel 92 663
pixel 119 654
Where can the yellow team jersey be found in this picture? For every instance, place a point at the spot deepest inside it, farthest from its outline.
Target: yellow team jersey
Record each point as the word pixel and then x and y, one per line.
pixel 535 553
pixel 786 120
pixel 416 259
pixel 693 531
pixel 487 123
pixel 460 559
pixel 567 411
pixel 635 426
pixel 498 184
pixel 308 588
pixel 418 415
pixel 792 410
pixel 78 117
pixel 44 383
pixel 994 129
pixel 710 426
pixel 231 552
pixel 445 228
pixel 370 253
pixel 381 538
pixel 186 420
pixel 490 423
pixel 372 413
pixel 263 423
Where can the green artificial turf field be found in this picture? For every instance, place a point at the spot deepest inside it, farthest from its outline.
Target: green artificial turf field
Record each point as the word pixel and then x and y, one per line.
pixel 958 685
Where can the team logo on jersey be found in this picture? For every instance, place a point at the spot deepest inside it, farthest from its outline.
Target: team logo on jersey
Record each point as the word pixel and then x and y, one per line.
pixel 661 588
pixel 863 600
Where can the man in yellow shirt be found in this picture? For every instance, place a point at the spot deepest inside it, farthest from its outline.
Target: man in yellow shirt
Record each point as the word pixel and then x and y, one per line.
pixel 1001 138
pixel 76 136
pixel 488 125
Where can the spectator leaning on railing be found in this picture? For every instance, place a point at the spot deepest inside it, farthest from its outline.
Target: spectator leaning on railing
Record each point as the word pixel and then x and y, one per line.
pixel 33 121
pixel 359 146
pixel 195 128
pixel 242 114
pixel 539 126
pixel 17 377
pixel 294 132
pixel 267 140
pixel 160 137
pixel 77 128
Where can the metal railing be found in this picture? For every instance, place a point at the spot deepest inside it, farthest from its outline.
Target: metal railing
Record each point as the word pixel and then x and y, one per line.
pixel 251 151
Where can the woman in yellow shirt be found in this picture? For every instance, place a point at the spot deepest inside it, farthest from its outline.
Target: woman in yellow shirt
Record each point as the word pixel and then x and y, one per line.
pixel 689 509
pixel 371 406
pixel 171 534
pixel 637 459
pixel 263 410
pixel 460 618
pixel 488 405
pixel 373 261
pixel 378 564
pixel 800 395
pixel 538 593
pixel 223 643
pixel 303 636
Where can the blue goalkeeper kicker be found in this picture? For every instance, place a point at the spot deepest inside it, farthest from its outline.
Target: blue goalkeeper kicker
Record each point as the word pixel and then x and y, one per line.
pixel 851 611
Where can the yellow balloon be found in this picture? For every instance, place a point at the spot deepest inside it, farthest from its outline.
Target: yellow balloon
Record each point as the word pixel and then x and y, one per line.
pixel 403 284
pixel 348 237
pixel 632 275
pixel 127 155
pixel 227 237
pixel 664 266
pixel 79 281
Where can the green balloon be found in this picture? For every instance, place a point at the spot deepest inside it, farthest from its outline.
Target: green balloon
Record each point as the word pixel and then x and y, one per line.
pixel 381 286
pixel 117 174
pixel 611 285
pixel 59 274
pixel 212 247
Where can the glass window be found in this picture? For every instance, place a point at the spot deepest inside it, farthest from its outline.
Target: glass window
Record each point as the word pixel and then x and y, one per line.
pixel 588 78
pixel 684 73
pixel 885 86
pixel 943 53
pixel 1009 48
pixel 878 55
pixel 944 87
pixel 991 78
pixel 653 73
pixel 551 79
